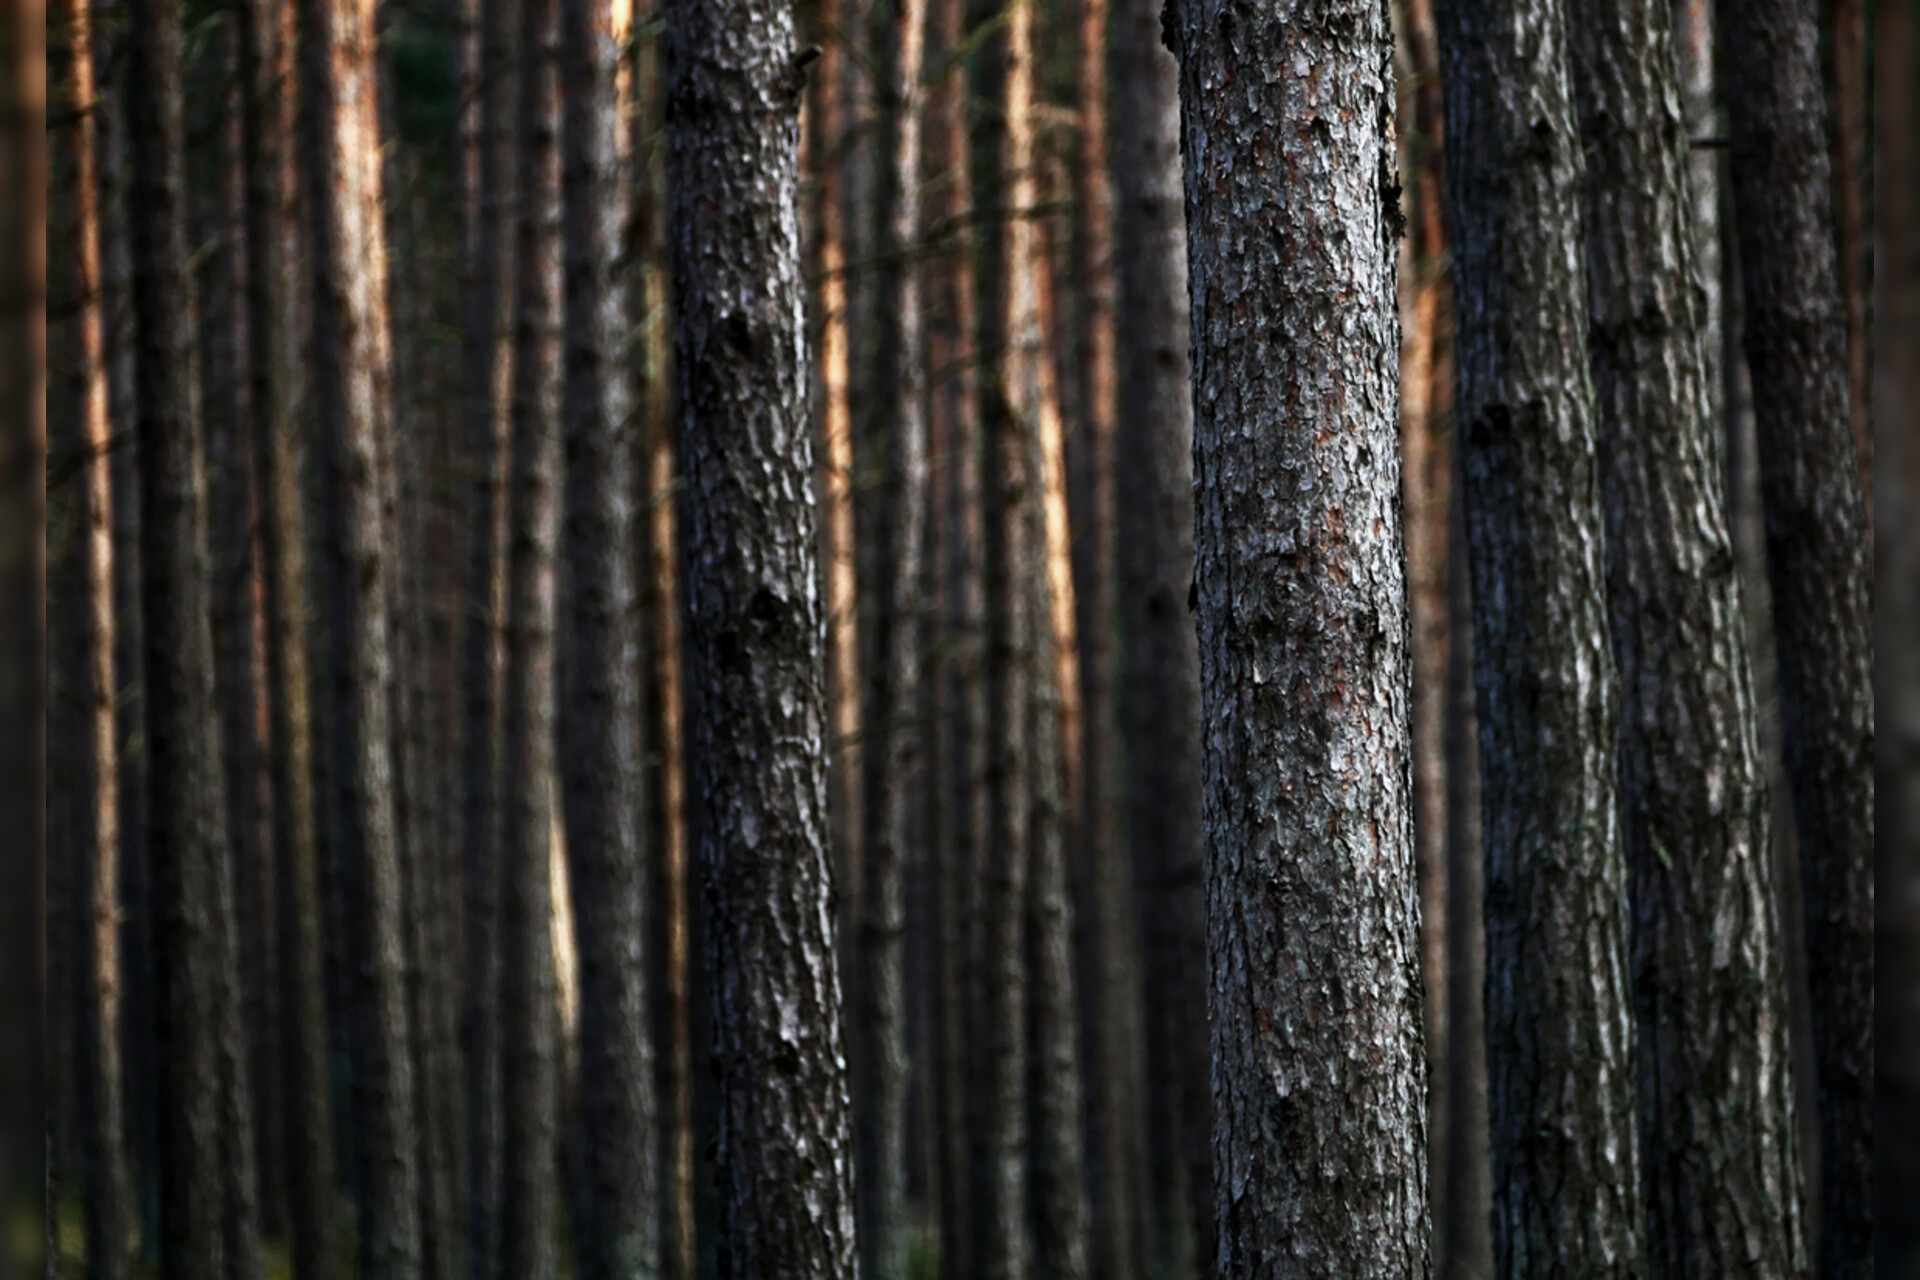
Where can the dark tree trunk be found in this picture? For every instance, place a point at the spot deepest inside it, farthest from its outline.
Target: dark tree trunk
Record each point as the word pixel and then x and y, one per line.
pixel 186 840
pixel 1566 1199
pixel 1852 181
pixel 96 785
pixel 488 374
pixel 529 1030
pixel 1158 664
pixel 1818 560
pixel 313 1239
pixel 352 351
pixel 617 1231
pixel 782 1147
pixel 1720 1176
pixel 892 704
pixel 1303 660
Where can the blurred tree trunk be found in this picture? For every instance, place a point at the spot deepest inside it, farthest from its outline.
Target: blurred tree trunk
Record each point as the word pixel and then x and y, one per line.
pixel 1559 1022
pixel 782 1150
pixel 1301 600
pixel 1716 1119
pixel 186 840
pixel 1159 665
pixel 529 1061
pixel 98 1086
pixel 1819 564
pixel 617 1231
pixel 892 697
pixel 352 355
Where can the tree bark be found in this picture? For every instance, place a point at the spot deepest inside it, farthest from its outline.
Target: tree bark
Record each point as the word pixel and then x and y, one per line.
pixel 186 840
pixel 529 1055
pixel 1566 1198
pixel 617 1231
pixel 107 1209
pixel 756 633
pixel 891 701
pixel 1159 664
pixel 351 354
pixel 1721 1179
pixel 489 373
pixel 1853 229
pixel 1819 564
pixel 1311 894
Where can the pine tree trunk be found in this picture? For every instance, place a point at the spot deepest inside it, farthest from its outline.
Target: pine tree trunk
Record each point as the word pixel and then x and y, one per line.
pixel 186 840
pixel 892 696
pixel 1819 565
pixel 98 1090
pixel 1716 1118
pixel 1303 661
pixel 489 371
pixel 617 1231
pixel 1566 1198
pixel 1159 665
pixel 529 1061
pixel 351 355
pixel 782 1147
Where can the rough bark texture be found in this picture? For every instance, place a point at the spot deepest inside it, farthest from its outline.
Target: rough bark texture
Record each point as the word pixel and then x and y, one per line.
pixel 1158 662
pixel 1319 1157
pixel 1566 1195
pixel 617 1229
pixel 351 352
pixel 1853 230
pixel 98 1089
pixel 892 702
pixel 1819 564
pixel 313 1231
pixel 782 1145
pixel 186 838
pixel 1719 1171
pixel 529 1026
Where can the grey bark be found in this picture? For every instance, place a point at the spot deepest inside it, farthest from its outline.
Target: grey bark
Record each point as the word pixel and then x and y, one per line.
pixel 1819 563
pixel 351 353
pixel 1319 1160
pixel 755 645
pixel 1158 678
pixel 617 1228
pixel 529 1023
pixel 1719 1171
pixel 892 703
pixel 1566 1196
pixel 186 838
pixel 488 360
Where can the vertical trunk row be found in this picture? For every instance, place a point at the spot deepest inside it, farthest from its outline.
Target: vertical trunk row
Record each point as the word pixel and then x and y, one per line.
pixel 351 351
pixel 97 990
pixel 1567 1197
pixel 892 696
pixel 529 1028
pixel 757 628
pixel 1716 1114
pixel 1818 560
pixel 616 1231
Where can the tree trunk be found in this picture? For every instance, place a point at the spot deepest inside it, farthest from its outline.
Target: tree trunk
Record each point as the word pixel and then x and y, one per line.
pixel 1159 665
pixel 893 690
pixel 1302 603
pixel 617 1231
pixel 489 372
pixel 529 1061
pixel 314 1239
pixel 1716 1113
pixel 351 355
pixel 186 840
pixel 782 1147
pixel 1852 174
pixel 108 1219
pixel 1819 565
pixel 1565 1199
